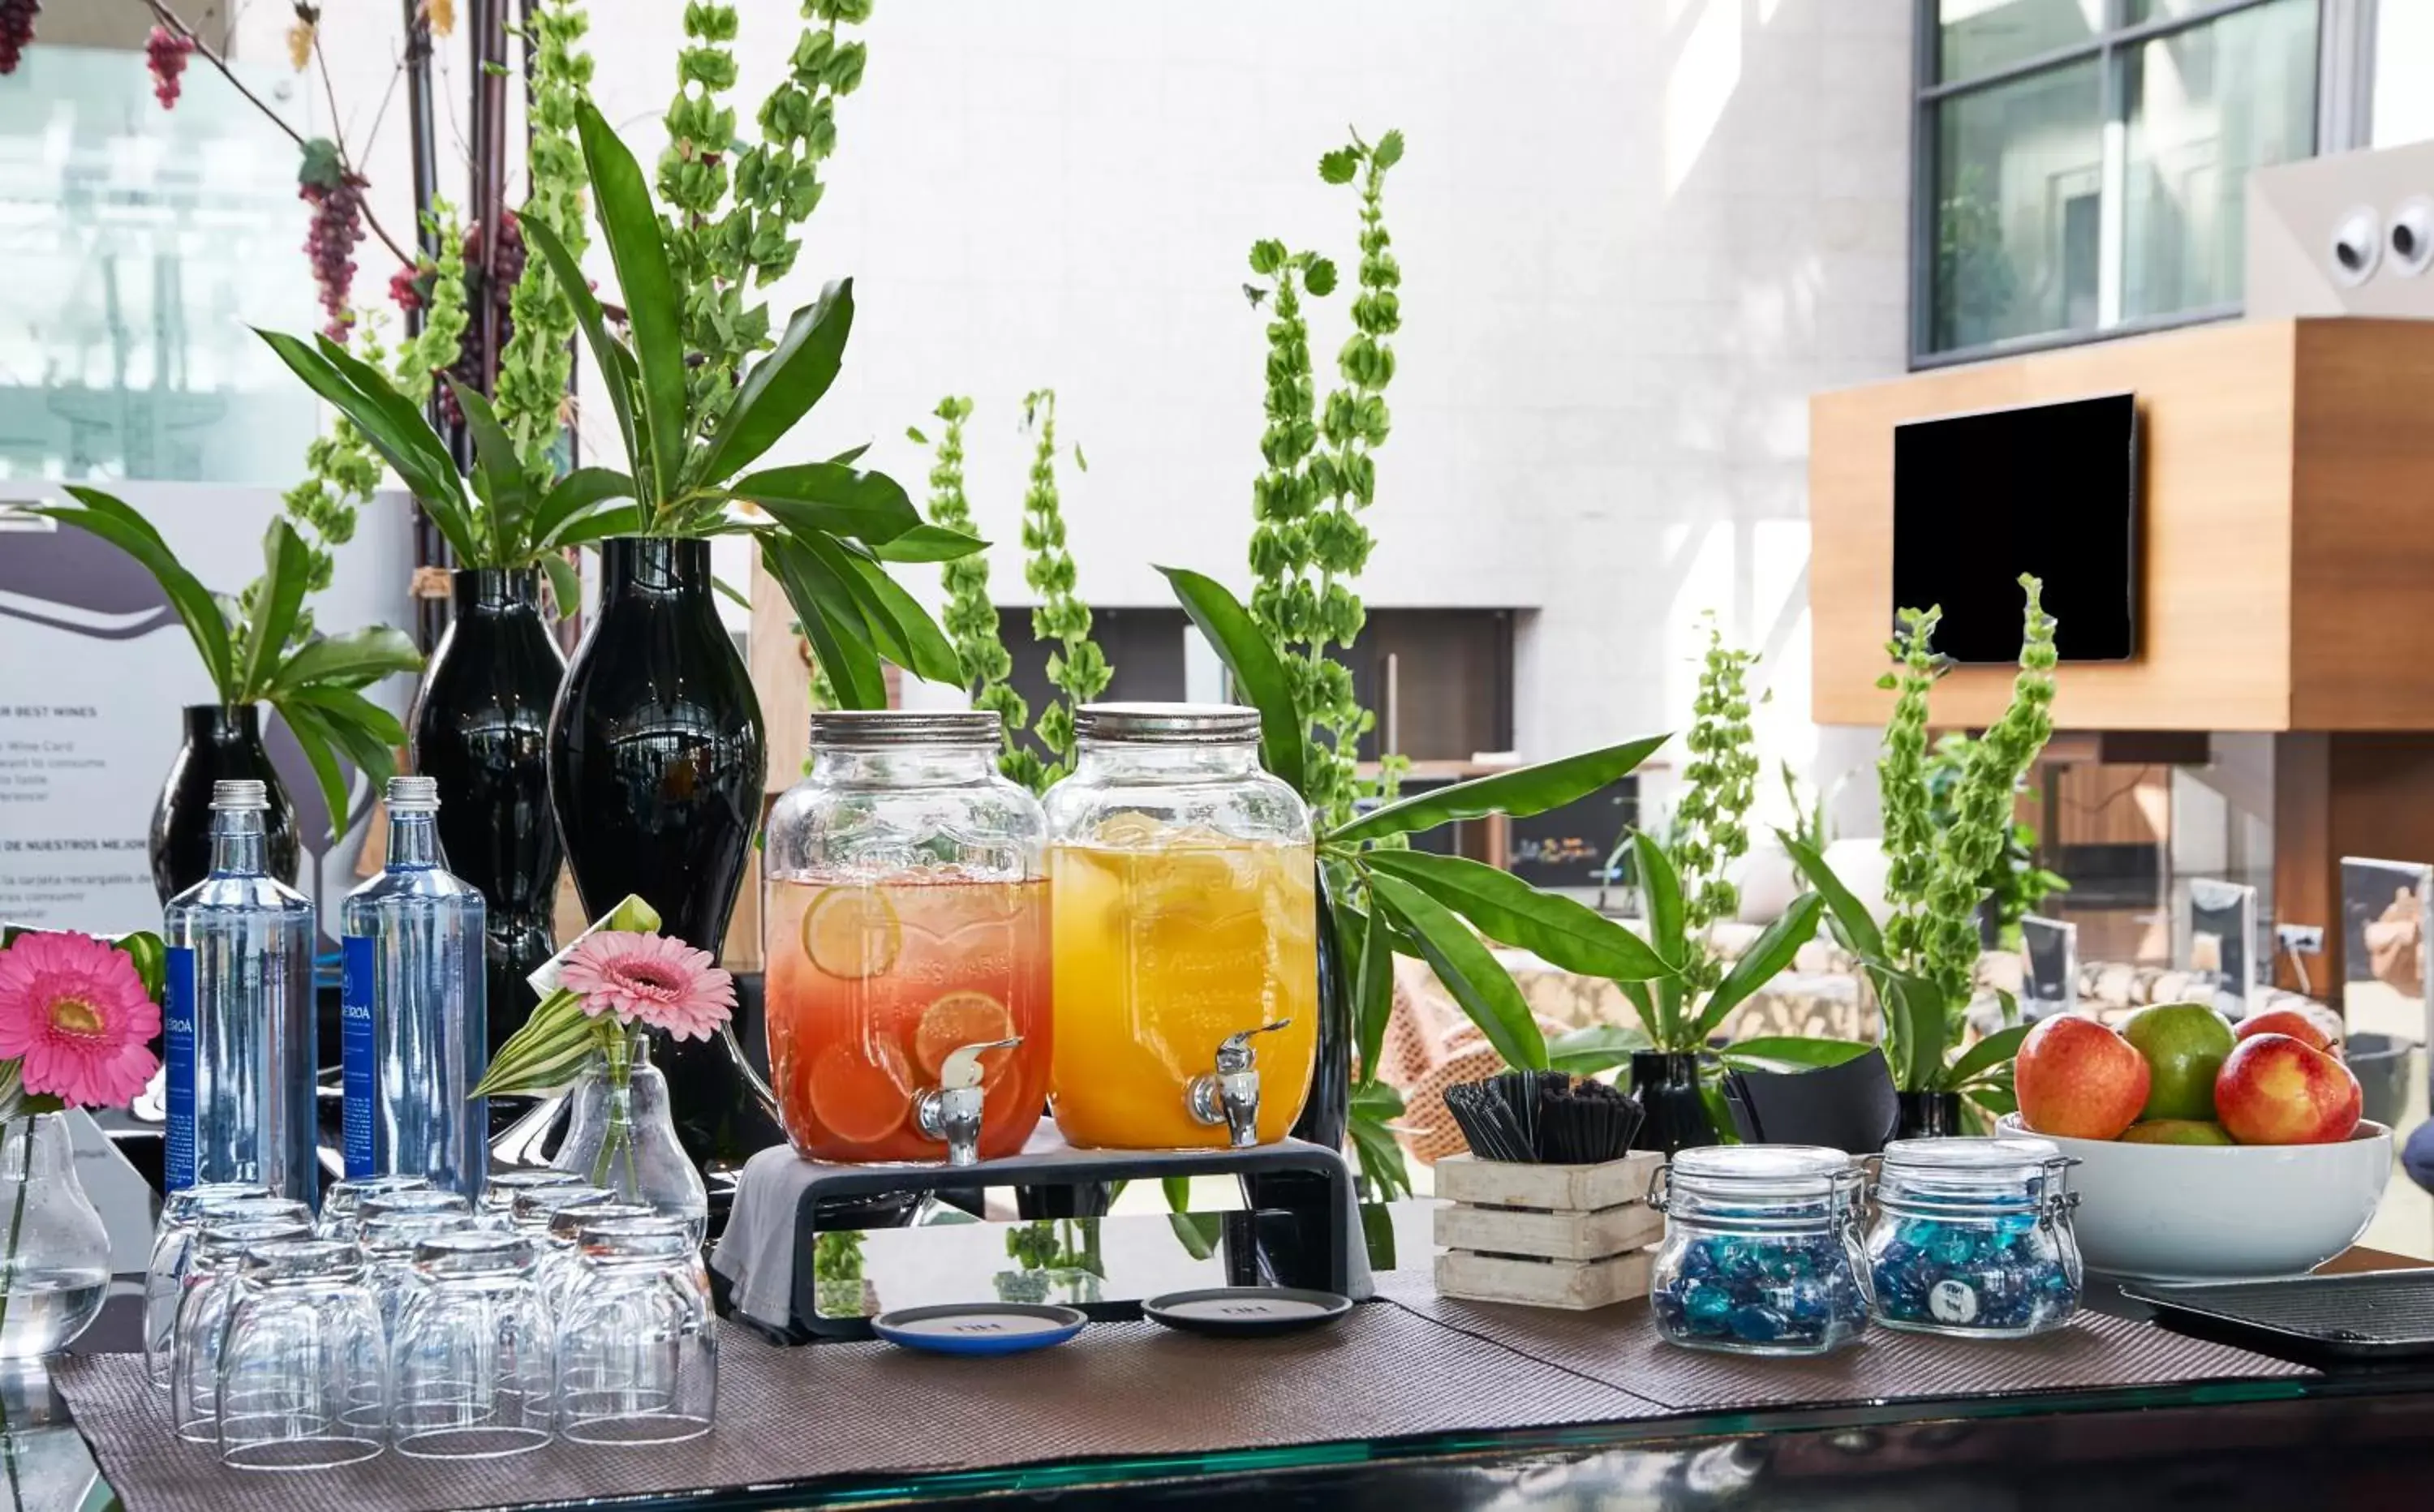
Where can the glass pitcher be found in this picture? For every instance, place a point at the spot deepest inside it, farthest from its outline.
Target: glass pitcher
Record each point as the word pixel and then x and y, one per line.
pixel 1186 933
pixel 907 944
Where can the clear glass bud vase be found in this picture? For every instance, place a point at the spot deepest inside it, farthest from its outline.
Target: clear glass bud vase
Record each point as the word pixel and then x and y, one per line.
pixel 621 1135
pixel 54 1251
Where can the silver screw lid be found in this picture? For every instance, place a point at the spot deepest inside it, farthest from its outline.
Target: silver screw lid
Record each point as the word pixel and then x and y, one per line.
pixel 238 795
pixel 414 795
pixel 1168 723
pixel 861 729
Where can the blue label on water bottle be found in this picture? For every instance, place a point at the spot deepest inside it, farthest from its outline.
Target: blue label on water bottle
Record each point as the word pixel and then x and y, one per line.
pixel 178 1041
pixel 359 1078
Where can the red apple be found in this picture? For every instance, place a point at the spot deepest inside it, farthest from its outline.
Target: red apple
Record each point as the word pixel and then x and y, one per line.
pixel 2297 1023
pixel 2275 1089
pixel 2077 1079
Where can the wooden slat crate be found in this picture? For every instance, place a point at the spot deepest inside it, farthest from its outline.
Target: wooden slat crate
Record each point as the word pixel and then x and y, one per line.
pixel 1568 1236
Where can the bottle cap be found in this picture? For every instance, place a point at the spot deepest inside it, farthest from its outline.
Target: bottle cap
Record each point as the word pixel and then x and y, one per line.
pixel 413 795
pixel 237 796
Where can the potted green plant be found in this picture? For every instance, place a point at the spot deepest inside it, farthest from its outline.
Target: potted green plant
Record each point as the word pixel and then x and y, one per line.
pixel 1923 961
pixel 255 650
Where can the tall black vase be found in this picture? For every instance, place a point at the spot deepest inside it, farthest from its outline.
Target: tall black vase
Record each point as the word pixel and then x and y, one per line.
pixel 1327 1112
pixel 481 728
pixel 1666 1086
pixel 222 744
pixel 655 766
pixel 1928 1114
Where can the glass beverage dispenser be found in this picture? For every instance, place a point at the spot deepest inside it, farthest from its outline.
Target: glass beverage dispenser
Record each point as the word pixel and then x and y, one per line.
pixel 907 929
pixel 1186 933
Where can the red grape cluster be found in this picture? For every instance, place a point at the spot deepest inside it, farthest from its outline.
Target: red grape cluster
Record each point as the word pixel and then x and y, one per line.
pixel 406 288
pixel 510 268
pixel 16 30
pixel 164 54
pixel 337 226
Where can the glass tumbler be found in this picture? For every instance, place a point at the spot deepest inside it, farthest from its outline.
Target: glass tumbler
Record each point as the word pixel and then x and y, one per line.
pixel 392 1225
pixel 637 1342
pixel 303 1370
pixel 342 1203
pixel 211 1284
pixel 561 1265
pixel 173 1251
pixel 472 1352
pixel 532 1211
pixel 499 1192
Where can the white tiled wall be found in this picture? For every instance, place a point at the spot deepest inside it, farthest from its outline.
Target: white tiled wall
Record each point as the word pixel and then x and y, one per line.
pixel 1636 235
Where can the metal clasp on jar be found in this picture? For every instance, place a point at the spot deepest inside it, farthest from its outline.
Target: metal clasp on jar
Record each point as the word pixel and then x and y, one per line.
pixel 2059 1199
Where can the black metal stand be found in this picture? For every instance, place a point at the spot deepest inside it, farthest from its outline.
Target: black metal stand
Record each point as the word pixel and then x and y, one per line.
pixel 1302 1231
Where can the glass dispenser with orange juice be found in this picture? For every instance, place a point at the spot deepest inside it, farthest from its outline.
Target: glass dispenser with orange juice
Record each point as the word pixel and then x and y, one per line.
pixel 908 953
pixel 1186 933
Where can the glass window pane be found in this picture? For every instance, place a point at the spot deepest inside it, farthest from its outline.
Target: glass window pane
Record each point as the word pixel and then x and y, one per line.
pixel 136 245
pixel 2203 106
pixel 1975 37
pixel 2018 174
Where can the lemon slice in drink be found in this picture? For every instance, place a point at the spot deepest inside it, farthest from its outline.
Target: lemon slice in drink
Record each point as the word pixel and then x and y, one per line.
pixel 852 932
pixel 958 1019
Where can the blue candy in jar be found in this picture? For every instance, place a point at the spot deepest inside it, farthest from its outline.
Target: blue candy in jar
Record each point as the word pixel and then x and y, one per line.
pixel 1973 1237
pixel 1760 1250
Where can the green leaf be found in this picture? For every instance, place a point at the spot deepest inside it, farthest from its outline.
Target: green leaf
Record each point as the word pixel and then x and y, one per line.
pixel 150 957
pixel 356 659
pixel 616 375
pixel 312 738
pixel 1338 167
pixel 1914 1011
pixel 1789 1052
pixel 573 497
pixel 1660 894
pixel 1373 993
pixel 621 201
pixel 781 387
pixel 1557 929
pixel 1258 673
pixel 620 519
pixel 1594 1048
pixel 1469 971
pixel 346 708
pixel 827 499
pixel 1641 1004
pixel 1995 1049
pixel 546 1053
pixel 1763 960
pixel 1389 150
pixel 831 621
pixel 1520 792
pixel 1853 924
pixel 928 543
pixel 502 474
pixel 565 585
pixel 901 629
pixel 286 566
pixel 1197 1231
pixel 115 521
pixel 391 424
pixel 1997 1101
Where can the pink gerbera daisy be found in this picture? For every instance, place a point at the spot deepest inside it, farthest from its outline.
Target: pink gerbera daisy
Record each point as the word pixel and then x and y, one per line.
pixel 648 978
pixel 73 1008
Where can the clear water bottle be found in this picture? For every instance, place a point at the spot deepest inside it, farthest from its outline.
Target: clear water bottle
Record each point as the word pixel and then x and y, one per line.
pixel 239 1025
pixel 413 1023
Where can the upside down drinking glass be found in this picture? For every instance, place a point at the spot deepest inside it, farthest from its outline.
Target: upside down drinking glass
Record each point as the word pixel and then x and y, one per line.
pixel 637 1342
pixel 202 1317
pixel 304 1371
pixel 173 1252
pixel 472 1350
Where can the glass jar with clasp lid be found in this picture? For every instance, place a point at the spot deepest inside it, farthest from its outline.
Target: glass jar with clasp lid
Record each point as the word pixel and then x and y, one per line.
pixel 1761 1249
pixel 1973 1237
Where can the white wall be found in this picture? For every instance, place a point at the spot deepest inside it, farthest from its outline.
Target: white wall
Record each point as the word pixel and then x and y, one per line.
pixel 1636 235
pixel 2403 61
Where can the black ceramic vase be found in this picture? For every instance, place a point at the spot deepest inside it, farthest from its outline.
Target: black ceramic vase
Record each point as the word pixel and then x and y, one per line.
pixel 1327 1112
pixel 655 766
pixel 481 728
pixel 222 744
pixel 1666 1086
pixel 1928 1114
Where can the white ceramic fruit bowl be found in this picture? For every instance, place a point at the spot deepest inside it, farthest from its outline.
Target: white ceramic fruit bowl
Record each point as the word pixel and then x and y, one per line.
pixel 2221 1212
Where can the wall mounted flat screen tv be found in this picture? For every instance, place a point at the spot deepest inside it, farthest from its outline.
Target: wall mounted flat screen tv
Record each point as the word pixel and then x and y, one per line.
pixel 2045 489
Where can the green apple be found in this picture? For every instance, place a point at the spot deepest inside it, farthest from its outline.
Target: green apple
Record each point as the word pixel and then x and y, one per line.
pixel 2185 1044
pixel 2177 1131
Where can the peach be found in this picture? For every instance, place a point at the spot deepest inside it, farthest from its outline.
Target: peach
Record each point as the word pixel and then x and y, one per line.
pixel 2276 1089
pixel 2077 1079
pixel 2297 1023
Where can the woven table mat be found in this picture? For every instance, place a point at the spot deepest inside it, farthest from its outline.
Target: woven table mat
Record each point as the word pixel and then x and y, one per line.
pixel 1618 1345
pixel 1120 1389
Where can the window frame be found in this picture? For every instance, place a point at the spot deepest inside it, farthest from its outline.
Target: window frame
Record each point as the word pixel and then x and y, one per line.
pixel 2335 76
